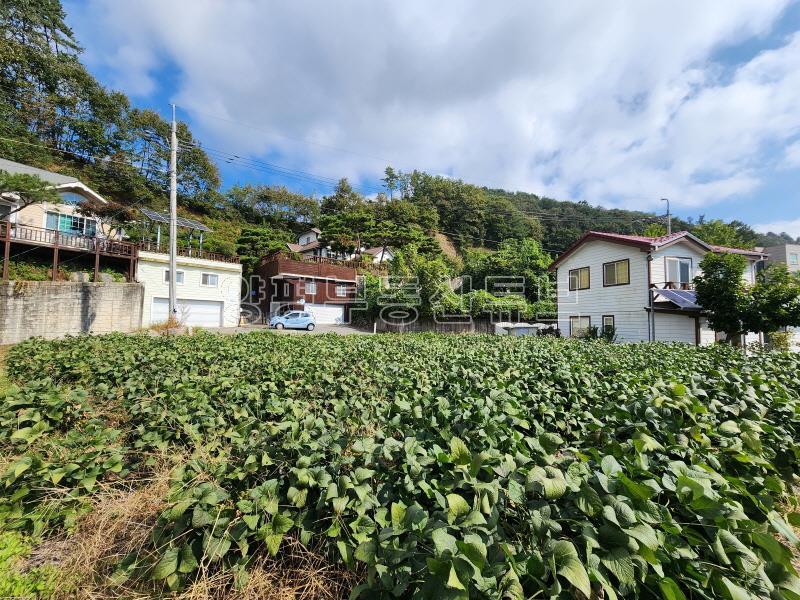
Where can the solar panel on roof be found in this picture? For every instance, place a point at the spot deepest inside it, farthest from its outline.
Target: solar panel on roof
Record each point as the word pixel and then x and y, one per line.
pixel 191 224
pixel 180 221
pixel 685 299
pixel 154 215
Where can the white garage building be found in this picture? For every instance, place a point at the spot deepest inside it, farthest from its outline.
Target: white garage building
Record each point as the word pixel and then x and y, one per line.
pixel 209 291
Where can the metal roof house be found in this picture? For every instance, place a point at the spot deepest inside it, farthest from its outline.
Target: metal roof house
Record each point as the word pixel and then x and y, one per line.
pixel 640 286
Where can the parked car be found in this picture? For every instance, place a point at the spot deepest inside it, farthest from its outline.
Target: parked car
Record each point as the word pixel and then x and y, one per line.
pixel 294 320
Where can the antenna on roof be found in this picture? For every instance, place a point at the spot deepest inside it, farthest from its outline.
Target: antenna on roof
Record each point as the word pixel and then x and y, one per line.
pixel 669 217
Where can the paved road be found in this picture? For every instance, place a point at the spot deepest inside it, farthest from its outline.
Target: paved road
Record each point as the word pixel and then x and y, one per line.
pixel 338 329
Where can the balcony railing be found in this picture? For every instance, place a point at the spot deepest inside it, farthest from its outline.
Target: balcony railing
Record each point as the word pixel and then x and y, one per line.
pixel 285 263
pixel 323 260
pixel 39 236
pixel 673 285
pixel 189 252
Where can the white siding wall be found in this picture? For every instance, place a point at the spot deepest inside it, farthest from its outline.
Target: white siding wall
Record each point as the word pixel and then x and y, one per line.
pixel 626 302
pixel 150 272
pixel 675 328
pixel 707 336
pixel 681 250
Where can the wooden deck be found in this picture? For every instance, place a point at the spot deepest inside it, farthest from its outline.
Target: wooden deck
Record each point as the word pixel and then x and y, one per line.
pixel 38 236
pixel 14 233
pixel 281 263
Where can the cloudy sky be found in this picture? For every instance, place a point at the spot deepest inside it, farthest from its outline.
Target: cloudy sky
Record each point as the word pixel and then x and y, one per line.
pixel 618 103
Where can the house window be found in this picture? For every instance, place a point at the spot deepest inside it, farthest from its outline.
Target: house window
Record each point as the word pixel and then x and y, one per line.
pixel 794 257
pixel 71 224
pixel 209 279
pixel 579 325
pixel 71 198
pixel 608 323
pixel 679 270
pixel 178 277
pixel 285 290
pixel 579 279
pixel 5 210
pixel 311 287
pixel 341 290
pixel 617 273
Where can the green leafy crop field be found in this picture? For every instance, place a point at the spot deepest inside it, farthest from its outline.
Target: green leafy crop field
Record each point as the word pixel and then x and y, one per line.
pixel 427 466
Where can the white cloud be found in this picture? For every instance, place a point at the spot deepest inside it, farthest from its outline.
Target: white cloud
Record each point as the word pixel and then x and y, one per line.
pixel 790 227
pixel 791 156
pixel 614 102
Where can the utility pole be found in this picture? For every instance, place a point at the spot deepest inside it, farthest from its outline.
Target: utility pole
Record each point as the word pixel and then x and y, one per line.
pixel 669 217
pixel 173 215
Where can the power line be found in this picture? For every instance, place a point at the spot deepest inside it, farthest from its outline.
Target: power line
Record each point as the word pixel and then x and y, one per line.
pixel 484 239
pixel 263 166
pixel 83 155
pixel 275 169
pixel 300 140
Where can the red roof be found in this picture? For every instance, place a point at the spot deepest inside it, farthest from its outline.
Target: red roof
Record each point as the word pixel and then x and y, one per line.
pixel 646 243
pixel 727 250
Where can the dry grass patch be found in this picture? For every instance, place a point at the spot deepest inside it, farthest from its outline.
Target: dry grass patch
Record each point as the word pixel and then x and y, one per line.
pixel 297 573
pixel 121 522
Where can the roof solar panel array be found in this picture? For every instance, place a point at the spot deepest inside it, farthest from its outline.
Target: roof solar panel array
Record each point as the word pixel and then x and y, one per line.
pixel 685 299
pixel 158 217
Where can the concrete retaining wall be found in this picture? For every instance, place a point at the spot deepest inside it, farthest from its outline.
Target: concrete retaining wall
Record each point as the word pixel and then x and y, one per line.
pixel 54 309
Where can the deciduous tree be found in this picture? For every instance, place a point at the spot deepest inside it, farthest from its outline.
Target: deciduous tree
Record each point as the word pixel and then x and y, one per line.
pixel 25 190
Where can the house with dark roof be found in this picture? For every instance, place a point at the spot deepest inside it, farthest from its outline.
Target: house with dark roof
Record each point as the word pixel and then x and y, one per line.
pixel 309 244
pixel 640 287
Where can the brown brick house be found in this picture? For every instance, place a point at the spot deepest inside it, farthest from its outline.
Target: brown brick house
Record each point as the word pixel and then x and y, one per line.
pixel 323 286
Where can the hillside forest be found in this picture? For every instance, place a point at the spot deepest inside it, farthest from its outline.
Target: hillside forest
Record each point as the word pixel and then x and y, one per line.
pixel 55 115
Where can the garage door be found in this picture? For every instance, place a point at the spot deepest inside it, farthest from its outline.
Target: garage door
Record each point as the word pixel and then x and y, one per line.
pixel 196 313
pixel 326 314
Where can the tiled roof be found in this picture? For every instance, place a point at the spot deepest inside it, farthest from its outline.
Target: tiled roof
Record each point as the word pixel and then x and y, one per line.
pixel 727 250
pixel 303 247
pixel 645 242
pixel 376 250
pixel 643 239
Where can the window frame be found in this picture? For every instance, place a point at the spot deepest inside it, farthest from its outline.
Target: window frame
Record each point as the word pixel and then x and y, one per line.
pixel 678 258
pixel 571 329
pixel 178 273
pixel 616 262
pixel 578 279
pixel 4 203
pixel 70 197
pixel 603 322
pixel 82 219
pixel 207 274
pixel 796 257
pixel 310 288
pixel 341 290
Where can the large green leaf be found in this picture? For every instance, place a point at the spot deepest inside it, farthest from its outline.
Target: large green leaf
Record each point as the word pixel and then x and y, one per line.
pixel 570 567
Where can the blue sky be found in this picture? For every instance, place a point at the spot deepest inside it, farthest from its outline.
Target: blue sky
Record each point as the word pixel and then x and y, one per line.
pixel 616 103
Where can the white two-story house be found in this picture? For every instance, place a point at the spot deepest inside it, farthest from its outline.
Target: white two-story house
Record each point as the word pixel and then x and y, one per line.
pixel 639 286
pixel 309 245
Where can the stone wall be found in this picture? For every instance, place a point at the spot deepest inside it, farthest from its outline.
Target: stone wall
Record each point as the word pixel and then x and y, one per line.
pixel 55 309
